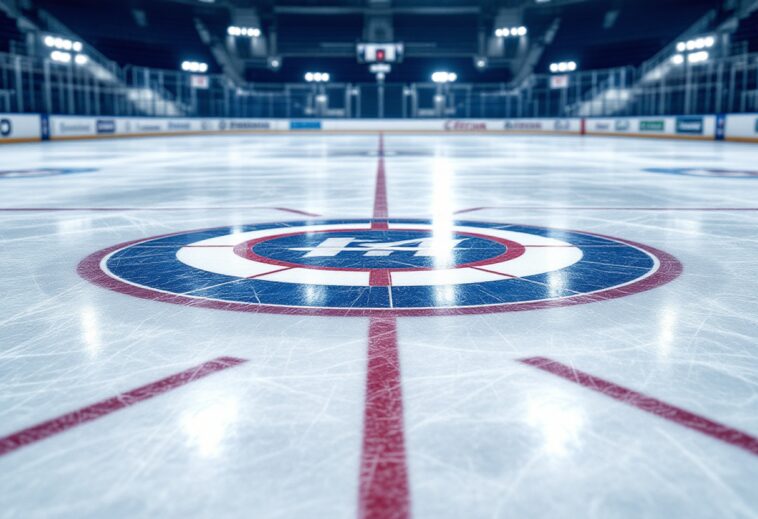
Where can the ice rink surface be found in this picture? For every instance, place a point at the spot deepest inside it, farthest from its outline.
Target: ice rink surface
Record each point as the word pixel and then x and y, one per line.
pixel 637 406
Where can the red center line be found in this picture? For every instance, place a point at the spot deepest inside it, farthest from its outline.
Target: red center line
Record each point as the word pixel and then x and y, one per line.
pixel 384 492
pixel 648 404
pixel 380 194
pixel 92 412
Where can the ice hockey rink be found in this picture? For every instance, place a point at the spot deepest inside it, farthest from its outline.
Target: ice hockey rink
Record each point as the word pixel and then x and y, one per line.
pixel 123 397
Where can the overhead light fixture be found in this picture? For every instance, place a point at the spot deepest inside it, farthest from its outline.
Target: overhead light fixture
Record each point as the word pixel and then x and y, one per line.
pixel 505 32
pixel 62 43
pixel 698 57
pixel 442 77
pixel 317 77
pixel 60 57
pixel 692 51
pixel 563 66
pixel 703 42
pixel 246 32
pixel 194 66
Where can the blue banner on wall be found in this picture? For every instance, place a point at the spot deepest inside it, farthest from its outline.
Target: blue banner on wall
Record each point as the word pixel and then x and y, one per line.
pixel 305 125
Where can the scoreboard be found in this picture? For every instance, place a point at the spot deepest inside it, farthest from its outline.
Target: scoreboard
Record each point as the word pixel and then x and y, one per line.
pixel 379 52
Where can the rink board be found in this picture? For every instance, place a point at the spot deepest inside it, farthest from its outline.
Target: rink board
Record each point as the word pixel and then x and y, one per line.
pixel 35 127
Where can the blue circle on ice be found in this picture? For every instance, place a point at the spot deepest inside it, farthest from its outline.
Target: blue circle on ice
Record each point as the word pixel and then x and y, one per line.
pixel 380 268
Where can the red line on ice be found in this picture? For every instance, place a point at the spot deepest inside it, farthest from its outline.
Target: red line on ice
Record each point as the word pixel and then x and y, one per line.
pixel 380 278
pixel 380 194
pixel 92 412
pixel 648 404
pixel 384 491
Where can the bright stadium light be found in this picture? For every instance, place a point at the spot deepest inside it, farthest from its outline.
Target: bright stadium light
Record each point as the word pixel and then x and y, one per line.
pixel 247 32
pixel 681 46
pixel 194 66
pixel 60 57
pixel 444 77
pixel 81 59
pixel 317 77
pixel 49 41
pixel 710 41
pixel 677 59
pixel 77 46
pixel 698 57
pixel 505 32
pixel 563 66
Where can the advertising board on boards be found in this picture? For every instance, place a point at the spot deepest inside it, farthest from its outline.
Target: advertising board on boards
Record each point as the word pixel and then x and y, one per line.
pixel 305 125
pixel 105 126
pixel 250 125
pixel 6 128
pixel 652 125
pixel 690 125
pixel 465 126
pixel 523 125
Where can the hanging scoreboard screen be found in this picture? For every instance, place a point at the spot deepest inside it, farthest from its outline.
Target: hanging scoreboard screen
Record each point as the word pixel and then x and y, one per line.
pixel 380 52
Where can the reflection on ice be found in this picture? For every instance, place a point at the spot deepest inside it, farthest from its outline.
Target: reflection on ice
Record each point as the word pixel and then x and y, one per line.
pixel 207 428
pixel 667 324
pixel 559 423
pixel 90 326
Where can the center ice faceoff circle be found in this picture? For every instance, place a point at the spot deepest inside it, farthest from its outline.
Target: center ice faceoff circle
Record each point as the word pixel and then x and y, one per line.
pixel 371 249
pixel 397 267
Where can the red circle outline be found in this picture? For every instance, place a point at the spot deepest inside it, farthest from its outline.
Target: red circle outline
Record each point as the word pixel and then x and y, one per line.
pixel 513 250
pixel 668 270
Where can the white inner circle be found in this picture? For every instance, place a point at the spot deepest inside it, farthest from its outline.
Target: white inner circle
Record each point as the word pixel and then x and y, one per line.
pixel 542 255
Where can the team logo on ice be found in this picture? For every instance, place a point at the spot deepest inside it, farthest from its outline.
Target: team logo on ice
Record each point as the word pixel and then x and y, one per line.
pixel 398 267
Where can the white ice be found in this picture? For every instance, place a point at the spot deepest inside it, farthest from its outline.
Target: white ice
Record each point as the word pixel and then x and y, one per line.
pixel 280 437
